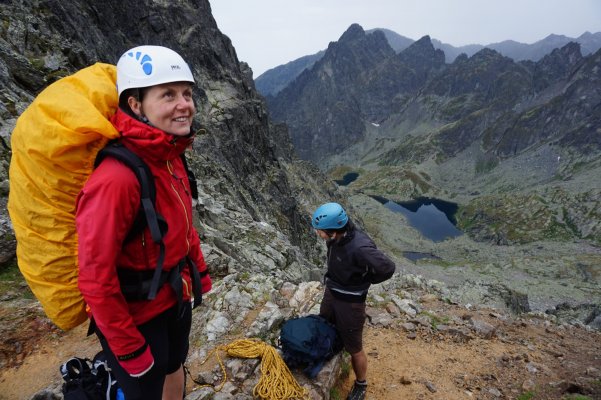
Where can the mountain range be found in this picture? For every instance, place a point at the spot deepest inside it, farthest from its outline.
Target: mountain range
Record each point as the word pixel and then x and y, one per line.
pixel 504 104
pixel 275 79
pixel 516 144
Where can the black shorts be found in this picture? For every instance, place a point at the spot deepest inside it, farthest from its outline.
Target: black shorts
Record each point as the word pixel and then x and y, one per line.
pixel 168 338
pixel 349 319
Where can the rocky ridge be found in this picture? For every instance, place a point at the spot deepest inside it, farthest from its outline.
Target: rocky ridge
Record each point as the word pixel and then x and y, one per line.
pixel 419 343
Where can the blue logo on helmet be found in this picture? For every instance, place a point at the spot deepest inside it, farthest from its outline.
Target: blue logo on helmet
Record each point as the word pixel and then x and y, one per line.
pixel 145 61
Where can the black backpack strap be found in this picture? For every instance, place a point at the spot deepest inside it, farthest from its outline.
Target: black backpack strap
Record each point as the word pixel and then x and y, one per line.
pixel 147 201
pixel 196 286
pixel 191 178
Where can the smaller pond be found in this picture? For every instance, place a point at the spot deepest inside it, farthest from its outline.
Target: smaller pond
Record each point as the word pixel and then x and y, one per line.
pixel 433 218
pixel 347 179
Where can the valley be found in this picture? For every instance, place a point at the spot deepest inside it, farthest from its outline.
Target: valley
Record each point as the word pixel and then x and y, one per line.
pixel 525 247
pixel 516 144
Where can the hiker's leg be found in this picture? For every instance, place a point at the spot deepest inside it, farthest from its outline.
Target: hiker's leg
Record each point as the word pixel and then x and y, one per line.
pixel 179 332
pixel 359 363
pixel 350 320
pixel 174 385
pixel 326 309
pixel 150 385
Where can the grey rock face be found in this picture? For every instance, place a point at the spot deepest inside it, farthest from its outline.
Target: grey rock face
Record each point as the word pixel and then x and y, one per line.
pixel 252 187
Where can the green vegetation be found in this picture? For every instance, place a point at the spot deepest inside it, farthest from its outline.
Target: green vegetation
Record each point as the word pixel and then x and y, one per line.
pixel 335 393
pixel 413 149
pixel 394 183
pixel 435 320
pixel 527 217
pixel 340 171
pixel 37 63
pixel 11 281
pixel 345 371
pixel 435 261
pixel 345 367
pixel 56 75
pixel 526 396
pixel 244 276
pixel 486 163
pixel 458 106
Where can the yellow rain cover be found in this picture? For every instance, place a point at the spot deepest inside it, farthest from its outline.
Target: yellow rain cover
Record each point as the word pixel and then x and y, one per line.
pixel 54 145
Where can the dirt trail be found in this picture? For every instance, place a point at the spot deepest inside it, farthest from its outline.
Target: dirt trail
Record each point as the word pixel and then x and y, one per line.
pixel 523 356
pixel 40 368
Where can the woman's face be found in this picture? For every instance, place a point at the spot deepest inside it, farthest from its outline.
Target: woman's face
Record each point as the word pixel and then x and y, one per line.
pixel 168 107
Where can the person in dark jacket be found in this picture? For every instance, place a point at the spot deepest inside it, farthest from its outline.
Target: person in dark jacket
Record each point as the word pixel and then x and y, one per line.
pixel 145 340
pixel 354 264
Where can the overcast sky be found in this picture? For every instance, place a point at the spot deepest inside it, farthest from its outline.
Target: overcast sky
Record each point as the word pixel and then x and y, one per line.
pixel 268 33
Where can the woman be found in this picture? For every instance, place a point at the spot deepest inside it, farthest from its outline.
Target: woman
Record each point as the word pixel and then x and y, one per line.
pixel 146 341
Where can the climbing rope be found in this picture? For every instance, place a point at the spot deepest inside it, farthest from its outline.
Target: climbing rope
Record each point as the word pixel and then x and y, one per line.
pixel 276 381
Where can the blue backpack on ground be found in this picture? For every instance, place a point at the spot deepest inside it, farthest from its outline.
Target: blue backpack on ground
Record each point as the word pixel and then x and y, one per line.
pixel 308 342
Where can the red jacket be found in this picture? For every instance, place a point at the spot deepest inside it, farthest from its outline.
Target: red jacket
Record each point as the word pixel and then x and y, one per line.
pixel 106 209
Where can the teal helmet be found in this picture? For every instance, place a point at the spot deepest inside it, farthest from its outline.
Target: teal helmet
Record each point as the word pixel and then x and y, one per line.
pixel 329 216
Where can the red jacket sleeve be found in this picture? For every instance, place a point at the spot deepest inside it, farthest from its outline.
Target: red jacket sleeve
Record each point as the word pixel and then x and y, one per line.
pixel 105 210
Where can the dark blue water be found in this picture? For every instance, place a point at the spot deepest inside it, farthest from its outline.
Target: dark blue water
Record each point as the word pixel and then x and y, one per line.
pixel 347 179
pixel 433 218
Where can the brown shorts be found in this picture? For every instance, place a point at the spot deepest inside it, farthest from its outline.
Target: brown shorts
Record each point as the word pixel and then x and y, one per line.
pixel 349 319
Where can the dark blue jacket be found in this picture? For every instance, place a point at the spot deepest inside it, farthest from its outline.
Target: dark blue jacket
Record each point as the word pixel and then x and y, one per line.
pixel 354 263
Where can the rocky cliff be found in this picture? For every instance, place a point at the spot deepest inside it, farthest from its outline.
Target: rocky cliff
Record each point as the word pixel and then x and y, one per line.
pixel 247 170
pixel 255 195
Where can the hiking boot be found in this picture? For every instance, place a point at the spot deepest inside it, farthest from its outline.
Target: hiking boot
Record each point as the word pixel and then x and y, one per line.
pixel 358 392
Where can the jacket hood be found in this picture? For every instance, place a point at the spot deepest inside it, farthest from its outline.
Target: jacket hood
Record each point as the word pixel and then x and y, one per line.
pixel 148 140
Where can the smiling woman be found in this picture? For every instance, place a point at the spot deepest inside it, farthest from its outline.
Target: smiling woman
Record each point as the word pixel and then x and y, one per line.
pixel 142 285
pixel 168 107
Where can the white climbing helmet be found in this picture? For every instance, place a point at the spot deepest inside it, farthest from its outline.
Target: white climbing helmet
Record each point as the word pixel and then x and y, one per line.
pixel 145 66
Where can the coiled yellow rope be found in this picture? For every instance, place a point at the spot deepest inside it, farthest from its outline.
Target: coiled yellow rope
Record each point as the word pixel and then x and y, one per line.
pixel 276 381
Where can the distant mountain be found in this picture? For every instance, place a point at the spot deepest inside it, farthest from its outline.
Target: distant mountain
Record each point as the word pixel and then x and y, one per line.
pixel 327 94
pixel 504 105
pixel 518 142
pixel 589 43
pixel 274 80
pixel 396 41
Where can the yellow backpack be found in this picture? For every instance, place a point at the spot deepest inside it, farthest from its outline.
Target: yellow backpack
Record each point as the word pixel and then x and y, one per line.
pixel 54 145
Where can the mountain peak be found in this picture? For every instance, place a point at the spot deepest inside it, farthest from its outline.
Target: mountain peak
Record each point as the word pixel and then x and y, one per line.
pixel 353 32
pixel 423 49
pixel 424 40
